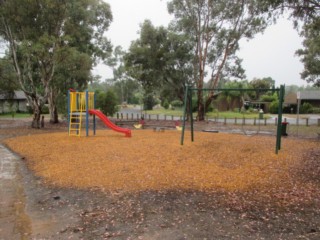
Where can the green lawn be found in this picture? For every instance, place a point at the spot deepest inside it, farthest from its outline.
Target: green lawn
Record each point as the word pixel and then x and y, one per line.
pixel 16 115
pixel 179 112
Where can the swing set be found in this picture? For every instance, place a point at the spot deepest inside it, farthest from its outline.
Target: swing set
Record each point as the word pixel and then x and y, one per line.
pixel 188 103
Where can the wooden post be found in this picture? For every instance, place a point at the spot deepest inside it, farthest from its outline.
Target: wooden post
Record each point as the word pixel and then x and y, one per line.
pixel 243 121
pixel 121 116
pixel 307 122
pixel 131 116
pixel 127 116
pixel 265 122
pixel 255 121
pixel 117 115
pixel 235 120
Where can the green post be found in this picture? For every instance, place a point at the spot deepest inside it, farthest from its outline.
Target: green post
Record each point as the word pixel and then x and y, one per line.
pixel 281 97
pixel 191 115
pixel 184 114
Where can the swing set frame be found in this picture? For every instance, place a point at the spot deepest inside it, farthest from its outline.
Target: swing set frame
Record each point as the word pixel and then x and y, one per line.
pixel 188 102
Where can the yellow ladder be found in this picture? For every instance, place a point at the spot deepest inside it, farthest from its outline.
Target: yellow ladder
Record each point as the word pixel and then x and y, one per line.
pixel 76 109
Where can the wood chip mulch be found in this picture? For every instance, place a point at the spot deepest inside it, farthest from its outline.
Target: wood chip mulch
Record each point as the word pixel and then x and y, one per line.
pixel 152 160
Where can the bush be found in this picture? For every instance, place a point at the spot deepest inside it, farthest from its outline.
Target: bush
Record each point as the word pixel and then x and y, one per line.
pixel 61 104
pixel 194 104
pixel 107 102
pixel 269 98
pixel 274 107
pixel 165 104
pixel 134 99
pixel 148 102
pixel 45 109
pixel 177 104
pixel 316 110
pixel 306 108
pixel 209 109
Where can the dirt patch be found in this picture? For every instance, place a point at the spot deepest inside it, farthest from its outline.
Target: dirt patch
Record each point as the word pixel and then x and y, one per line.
pixel 266 197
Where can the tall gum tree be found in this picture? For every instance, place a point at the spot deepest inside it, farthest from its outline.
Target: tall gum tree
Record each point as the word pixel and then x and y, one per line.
pixel 160 60
pixel 215 28
pixel 41 34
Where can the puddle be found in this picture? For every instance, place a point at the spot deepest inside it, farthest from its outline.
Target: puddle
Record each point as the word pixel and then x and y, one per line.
pixel 14 222
pixel 27 209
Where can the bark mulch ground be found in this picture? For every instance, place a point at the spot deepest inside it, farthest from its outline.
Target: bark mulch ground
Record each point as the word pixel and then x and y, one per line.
pixel 222 186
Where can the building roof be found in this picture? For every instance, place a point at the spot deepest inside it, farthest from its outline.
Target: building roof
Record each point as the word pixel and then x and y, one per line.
pixel 310 95
pixel 291 98
pixel 18 95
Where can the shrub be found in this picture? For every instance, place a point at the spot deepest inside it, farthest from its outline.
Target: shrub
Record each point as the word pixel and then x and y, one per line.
pixel 45 109
pixel 316 110
pixel 269 98
pixel 148 102
pixel 274 107
pixel 165 104
pixel 107 102
pixel 306 108
pixel 177 104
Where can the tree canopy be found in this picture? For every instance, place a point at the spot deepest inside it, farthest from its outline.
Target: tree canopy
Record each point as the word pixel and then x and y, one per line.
pixel 215 27
pixel 51 42
pixel 160 60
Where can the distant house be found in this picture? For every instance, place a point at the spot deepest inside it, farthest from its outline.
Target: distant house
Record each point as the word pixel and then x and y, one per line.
pixel 17 103
pixel 312 97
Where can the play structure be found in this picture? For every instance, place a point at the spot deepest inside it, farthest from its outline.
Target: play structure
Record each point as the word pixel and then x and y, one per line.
pixel 188 105
pixel 80 106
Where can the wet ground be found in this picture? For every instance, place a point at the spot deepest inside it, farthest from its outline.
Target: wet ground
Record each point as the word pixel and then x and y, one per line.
pixel 30 209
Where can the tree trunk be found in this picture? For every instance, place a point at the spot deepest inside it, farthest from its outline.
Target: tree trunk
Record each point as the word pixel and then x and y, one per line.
pixel 201 112
pixel 53 115
pixel 36 115
pixel 53 111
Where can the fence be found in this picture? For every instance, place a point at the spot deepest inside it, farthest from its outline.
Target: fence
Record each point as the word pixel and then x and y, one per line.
pixel 233 121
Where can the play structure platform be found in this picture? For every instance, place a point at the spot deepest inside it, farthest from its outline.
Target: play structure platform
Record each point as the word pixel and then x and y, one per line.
pixel 82 105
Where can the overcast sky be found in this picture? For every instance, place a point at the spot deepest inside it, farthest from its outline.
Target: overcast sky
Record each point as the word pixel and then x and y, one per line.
pixel 271 54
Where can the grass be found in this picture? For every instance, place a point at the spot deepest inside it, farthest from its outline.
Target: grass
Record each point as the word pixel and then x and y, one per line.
pixel 179 112
pixel 169 112
pixel 16 115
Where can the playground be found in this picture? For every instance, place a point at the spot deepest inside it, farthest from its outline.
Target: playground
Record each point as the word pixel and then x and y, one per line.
pixel 150 187
pixel 127 183
pixel 156 160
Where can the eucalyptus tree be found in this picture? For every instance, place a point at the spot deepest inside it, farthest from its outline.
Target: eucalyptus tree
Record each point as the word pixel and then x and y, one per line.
pixel 8 83
pixel 160 60
pixel 47 37
pixel 125 86
pixel 310 54
pixel 215 28
pixel 306 10
pixel 233 97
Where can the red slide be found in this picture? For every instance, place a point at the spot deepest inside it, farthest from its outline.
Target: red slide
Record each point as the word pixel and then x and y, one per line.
pixel 110 124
